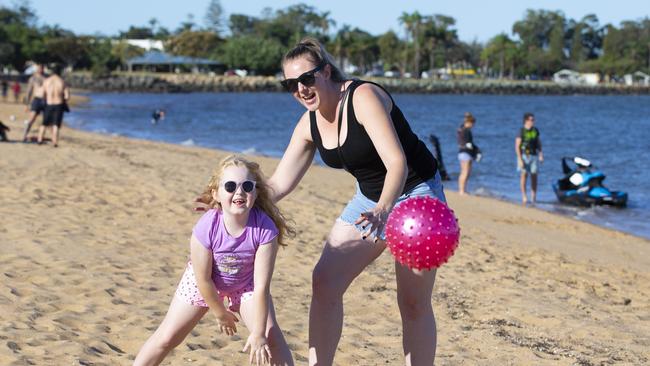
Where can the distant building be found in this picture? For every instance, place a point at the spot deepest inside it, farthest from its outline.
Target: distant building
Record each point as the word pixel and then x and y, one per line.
pixel 162 62
pixel 147 44
pixel 567 76
pixel 637 78
pixel 351 69
pixel 590 78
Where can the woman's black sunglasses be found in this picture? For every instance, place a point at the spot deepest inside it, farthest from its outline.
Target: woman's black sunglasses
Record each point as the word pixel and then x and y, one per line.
pixel 307 79
pixel 231 186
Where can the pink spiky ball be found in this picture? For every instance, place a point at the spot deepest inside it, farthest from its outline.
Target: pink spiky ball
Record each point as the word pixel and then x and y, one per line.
pixel 422 232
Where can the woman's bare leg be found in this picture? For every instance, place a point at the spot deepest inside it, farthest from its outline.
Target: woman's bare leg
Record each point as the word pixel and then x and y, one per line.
pixel 463 177
pixel 343 258
pixel 414 289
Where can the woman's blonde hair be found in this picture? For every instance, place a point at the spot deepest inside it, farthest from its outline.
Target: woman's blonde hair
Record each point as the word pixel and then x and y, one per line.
pixel 263 201
pixel 316 53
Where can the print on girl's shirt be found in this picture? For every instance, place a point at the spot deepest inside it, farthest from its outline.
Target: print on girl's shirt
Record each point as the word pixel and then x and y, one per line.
pixel 229 263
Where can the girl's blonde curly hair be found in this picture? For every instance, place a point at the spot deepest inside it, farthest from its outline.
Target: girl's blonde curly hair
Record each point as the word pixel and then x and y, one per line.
pixel 263 201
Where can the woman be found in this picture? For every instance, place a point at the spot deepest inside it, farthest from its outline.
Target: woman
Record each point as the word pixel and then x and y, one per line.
pixel 355 125
pixel 467 151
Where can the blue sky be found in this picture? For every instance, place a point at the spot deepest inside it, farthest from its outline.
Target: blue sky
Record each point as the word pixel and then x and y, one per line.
pixel 476 19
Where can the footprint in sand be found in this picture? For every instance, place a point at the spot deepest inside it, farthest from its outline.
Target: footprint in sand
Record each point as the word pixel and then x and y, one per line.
pixel 114 347
pixel 13 346
pixel 93 351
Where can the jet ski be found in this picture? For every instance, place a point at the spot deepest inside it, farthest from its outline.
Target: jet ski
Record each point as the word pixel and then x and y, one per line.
pixel 582 185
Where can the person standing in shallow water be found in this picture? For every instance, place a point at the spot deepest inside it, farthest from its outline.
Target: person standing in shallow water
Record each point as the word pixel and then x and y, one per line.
pixel 157 115
pixel 528 147
pixel 467 151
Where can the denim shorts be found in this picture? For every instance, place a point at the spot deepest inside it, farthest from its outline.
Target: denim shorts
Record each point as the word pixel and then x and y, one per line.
pixel 463 156
pixel 530 164
pixel 360 203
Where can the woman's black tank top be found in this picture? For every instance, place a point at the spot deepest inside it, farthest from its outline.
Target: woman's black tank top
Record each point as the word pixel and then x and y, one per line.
pixel 361 158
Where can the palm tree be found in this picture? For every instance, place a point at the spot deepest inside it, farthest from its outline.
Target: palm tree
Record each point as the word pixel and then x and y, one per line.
pixel 437 32
pixel 504 49
pixel 342 43
pixel 406 20
pixel 416 20
pixel 413 28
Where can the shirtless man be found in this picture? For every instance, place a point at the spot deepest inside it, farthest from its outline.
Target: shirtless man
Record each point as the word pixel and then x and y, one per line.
pixel 35 98
pixel 57 94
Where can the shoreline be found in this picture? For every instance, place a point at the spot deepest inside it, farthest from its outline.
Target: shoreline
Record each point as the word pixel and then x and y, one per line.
pixel 186 83
pixel 536 207
pixel 80 98
pixel 547 206
pixel 95 238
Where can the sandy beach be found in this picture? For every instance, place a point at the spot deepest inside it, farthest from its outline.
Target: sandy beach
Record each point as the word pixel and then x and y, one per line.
pixel 95 236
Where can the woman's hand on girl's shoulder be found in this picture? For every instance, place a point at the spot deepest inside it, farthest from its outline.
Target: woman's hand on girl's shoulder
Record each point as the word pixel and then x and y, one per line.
pixel 260 353
pixel 200 205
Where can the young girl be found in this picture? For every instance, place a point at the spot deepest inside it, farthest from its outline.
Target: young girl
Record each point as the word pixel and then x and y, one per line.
pixel 233 250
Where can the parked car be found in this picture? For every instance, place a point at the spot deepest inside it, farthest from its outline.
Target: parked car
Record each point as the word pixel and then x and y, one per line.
pixel 236 72
pixel 392 74
pixel 374 73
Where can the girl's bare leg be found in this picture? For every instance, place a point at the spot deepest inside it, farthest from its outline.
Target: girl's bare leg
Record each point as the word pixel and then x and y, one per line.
pixel 181 318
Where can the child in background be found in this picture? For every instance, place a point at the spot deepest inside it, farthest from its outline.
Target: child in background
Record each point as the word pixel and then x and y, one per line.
pixel 5 88
pixel 233 250
pixel 15 87
pixel 3 131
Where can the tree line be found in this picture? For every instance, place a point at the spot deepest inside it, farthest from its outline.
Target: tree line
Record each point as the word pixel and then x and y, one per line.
pixel 541 43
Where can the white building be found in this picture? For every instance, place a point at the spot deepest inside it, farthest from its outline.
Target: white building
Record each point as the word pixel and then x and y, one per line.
pixel 637 78
pixel 147 44
pixel 566 76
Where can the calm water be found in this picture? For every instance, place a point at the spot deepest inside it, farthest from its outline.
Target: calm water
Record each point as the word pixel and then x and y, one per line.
pixel 612 131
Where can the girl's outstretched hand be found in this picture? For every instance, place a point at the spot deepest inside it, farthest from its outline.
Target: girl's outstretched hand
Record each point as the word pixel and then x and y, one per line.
pixel 227 322
pixel 260 353
pixel 200 205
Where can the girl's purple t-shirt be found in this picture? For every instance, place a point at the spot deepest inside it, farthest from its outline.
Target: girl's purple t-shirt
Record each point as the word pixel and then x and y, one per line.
pixel 233 258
